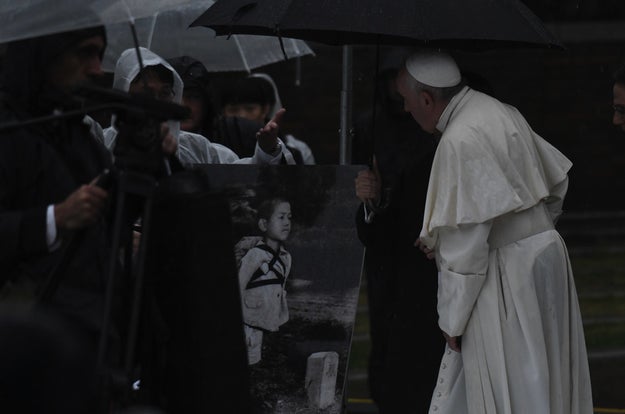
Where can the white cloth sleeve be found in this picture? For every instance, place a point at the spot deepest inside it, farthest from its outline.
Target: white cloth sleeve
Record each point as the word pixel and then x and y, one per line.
pixel 556 199
pixel 462 255
pixel 261 157
pixel 51 233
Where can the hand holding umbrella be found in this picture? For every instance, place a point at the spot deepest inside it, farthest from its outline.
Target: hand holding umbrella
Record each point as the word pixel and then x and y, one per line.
pixel 469 25
pixel 369 185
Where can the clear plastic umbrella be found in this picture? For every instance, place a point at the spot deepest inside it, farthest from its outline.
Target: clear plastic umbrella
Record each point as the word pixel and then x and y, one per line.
pixel 21 19
pixel 167 33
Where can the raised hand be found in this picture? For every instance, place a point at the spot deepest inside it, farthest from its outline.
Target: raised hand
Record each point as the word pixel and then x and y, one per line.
pixel 267 136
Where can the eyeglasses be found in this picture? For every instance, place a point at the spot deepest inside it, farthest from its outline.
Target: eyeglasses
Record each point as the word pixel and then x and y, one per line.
pixel 619 109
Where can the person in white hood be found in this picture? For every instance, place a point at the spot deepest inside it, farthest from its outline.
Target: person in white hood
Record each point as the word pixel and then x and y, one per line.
pixel 193 148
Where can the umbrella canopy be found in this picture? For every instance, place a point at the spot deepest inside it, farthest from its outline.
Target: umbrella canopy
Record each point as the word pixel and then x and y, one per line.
pixel 21 19
pixel 167 33
pixel 466 24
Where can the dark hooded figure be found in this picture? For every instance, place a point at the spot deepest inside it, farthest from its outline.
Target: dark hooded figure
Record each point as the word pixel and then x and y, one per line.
pixel 47 194
pixel 401 282
pixel 196 94
pixel 200 95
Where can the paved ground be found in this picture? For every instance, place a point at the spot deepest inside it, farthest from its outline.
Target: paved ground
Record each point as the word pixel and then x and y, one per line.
pixel 608 381
pixel 607 375
pixel 607 370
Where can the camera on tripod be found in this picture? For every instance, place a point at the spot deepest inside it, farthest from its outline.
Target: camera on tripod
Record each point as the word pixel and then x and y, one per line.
pixel 138 144
pixel 138 119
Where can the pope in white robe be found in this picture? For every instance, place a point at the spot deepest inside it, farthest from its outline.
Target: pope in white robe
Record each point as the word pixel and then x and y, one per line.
pixel 506 296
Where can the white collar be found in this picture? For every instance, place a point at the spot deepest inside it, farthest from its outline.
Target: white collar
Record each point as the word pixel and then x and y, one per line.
pixel 445 117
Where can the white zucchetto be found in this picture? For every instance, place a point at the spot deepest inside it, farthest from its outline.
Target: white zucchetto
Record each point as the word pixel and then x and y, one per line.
pixel 436 69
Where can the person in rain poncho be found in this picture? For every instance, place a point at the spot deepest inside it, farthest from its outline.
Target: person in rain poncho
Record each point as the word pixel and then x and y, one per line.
pixel 256 98
pixel 275 103
pixel 236 133
pixel 507 302
pixel 192 148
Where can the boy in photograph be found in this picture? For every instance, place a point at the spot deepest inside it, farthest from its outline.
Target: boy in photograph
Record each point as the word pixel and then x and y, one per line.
pixel 263 271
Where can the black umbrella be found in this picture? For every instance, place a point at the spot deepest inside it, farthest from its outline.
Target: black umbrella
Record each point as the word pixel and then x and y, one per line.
pixel 459 24
pixel 462 24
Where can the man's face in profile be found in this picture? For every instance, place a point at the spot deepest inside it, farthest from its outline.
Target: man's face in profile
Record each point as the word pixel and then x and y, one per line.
pixel 77 65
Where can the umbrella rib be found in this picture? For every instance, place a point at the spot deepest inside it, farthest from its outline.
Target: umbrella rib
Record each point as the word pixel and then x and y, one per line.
pixel 151 35
pixel 240 49
pixel 295 46
pixel 131 18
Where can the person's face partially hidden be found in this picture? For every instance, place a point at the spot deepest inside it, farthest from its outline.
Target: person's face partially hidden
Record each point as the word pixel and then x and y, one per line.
pixel 195 102
pixel 155 86
pixel 77 65
pixel 618 102
pixel 252 111
pixel 416 102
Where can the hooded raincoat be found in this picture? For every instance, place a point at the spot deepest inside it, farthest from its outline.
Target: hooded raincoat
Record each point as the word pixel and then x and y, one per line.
pixel 192 148
pixel 307 157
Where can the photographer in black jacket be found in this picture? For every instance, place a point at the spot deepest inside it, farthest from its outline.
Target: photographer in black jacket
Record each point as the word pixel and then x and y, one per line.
pixel 48 173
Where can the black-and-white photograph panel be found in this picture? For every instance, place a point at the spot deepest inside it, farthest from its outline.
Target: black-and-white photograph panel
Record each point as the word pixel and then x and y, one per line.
pixel 299 264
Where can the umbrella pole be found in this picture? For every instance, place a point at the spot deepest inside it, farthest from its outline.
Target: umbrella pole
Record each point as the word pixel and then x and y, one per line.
pixel 346 107
pixel 375 102
pixel 146 88
pixel 135 39
pixel 298 71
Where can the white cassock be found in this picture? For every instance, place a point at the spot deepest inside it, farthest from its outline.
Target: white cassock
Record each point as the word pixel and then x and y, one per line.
pixel 505 280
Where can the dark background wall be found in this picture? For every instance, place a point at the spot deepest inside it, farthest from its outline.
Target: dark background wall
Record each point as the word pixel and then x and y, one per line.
pixel 565 95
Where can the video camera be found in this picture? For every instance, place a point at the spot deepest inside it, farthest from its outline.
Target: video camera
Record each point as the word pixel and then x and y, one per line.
pixel 138 119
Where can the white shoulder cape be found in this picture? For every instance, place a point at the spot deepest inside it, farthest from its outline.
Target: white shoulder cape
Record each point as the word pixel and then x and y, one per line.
pixel 489 162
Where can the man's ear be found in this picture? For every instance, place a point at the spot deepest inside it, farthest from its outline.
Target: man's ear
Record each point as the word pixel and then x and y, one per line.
pixel 426 98
pixel 262 225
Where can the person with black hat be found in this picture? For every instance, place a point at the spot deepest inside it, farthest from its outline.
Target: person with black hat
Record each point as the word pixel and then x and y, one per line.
pixel 196 95
pixel 507 303
pixel 238 134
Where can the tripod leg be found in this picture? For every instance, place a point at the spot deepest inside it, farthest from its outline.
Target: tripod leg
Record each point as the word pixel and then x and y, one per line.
pixel 138 273
pixel 103 368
